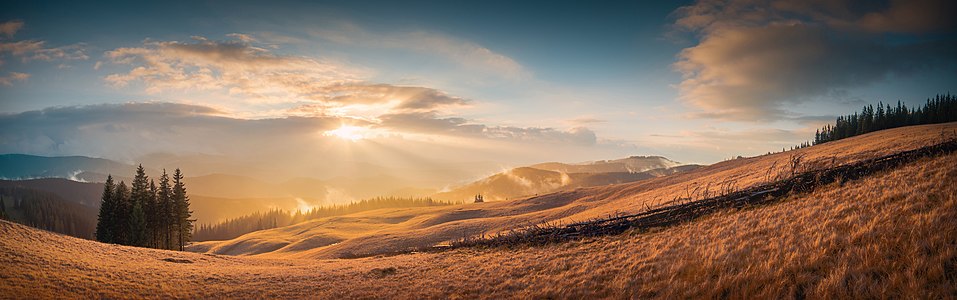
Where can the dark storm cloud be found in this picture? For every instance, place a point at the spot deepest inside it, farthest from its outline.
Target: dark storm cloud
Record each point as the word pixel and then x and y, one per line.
pixel 754 58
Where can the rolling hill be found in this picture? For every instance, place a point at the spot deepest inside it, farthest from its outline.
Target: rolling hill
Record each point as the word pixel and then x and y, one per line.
pixel 887 235
pixel 634 164
pixel 393 230
pixel 525 181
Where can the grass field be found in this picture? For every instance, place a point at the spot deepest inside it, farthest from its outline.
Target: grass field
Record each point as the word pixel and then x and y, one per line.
pixel 890 235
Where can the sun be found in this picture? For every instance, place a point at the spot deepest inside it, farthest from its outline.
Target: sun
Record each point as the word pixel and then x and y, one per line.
pixel 347 132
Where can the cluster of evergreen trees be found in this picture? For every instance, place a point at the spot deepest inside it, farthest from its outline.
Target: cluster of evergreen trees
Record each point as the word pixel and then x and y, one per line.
pixel 940 109
pixel 233 228
pixel 144 214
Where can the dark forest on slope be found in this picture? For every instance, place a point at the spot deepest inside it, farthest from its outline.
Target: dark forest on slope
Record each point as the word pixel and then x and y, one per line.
pixel 48 211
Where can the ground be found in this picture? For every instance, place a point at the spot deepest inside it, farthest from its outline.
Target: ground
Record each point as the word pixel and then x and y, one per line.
pixel 890 235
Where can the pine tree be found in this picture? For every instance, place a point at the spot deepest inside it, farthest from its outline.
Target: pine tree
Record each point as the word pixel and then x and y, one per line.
pixel 152 217
pixel 139 195
pixel 137 225
pixel 121 218
pixel 183 222
pixel 107 211
pixel 165 199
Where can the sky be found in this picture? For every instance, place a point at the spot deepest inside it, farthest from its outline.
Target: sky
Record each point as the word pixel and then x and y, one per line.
pixel 342 88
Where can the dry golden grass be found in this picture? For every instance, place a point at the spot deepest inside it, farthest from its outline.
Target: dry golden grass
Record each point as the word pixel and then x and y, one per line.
pixel 891 235
pixel 398 229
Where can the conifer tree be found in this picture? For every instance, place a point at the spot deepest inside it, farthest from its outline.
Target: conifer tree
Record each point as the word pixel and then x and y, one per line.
pixel 152 217
pixel 107 211
pixel 181 209
pixel 139 195
pixel 120 227
pixel 137 225
pixel 165 211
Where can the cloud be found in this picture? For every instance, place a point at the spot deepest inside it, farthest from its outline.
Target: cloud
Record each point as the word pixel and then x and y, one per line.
pixel 20 48
pixel 408 97
pixel 896 16
pixel 235 66
pixel 585 120
pixel 70 52
pixel 243 37
pixel 431 123
pixel 9 28
pixel 711 144
pixel 465 53
pixel 205 140
pixel 29 50
pixel 240 69
pixel 12 77
pixel 755 58
pixel 133 129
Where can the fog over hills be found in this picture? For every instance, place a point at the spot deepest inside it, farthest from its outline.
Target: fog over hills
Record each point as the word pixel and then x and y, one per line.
pixel 633 164
pixel 217 196
pixel 555 176
pixel 77 168
pixel 527 181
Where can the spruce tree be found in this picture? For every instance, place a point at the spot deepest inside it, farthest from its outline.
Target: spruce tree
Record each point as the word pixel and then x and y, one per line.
pixel 137 225
pixel 165 199
pixel 120 227
pixel 183 222
pixel 107 211
pixel 139 195
pixel 152 217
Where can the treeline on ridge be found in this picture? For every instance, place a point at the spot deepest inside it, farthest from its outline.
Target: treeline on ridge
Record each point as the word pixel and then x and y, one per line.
pixel 144 214
pixel 236 227
pixel 47 211
pixel 940 109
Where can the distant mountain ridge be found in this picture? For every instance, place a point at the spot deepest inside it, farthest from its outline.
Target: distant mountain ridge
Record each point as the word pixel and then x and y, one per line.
pixel 77 168
pixel 632 164
pixel 554 176
pixel 217 196
pixel 83 193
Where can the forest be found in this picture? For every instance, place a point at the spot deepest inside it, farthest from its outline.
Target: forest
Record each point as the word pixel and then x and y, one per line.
pixel 144 214
pixel 46 210
pixel 940 109
pixel 236 227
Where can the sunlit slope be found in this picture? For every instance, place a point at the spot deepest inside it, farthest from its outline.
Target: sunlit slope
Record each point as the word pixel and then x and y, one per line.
pixel 388 230
pixel 527 181
pixel 890 235
pixel 634 164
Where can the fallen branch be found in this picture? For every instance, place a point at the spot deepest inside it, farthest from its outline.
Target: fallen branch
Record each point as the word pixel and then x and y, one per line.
pixel 678 213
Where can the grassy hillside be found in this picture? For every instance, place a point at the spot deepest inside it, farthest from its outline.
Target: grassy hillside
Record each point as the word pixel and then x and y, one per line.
pixel 632 164
pixel 389 230
pixel 888 235
pixel 528 181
